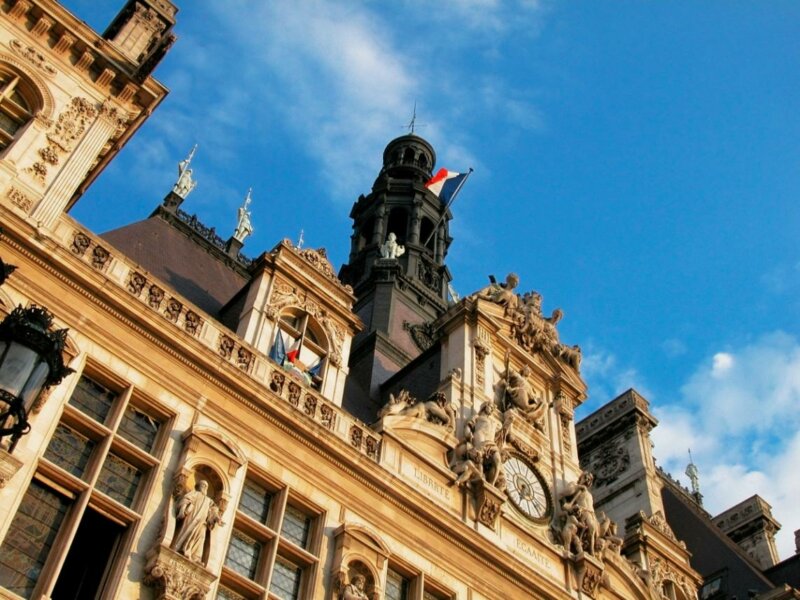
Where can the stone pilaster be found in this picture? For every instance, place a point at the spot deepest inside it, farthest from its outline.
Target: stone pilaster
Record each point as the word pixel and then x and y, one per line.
pixel 63 186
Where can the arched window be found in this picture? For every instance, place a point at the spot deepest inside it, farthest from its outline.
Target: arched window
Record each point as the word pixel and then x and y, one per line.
pixel 398 224
pixel 302 348
pixel 425 231
pixel 365 233
pixel 18 103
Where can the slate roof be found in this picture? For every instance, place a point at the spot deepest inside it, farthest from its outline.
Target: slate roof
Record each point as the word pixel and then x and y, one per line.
pixel 186 260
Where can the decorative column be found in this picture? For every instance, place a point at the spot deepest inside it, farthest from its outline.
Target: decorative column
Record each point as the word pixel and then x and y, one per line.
pixel 108 119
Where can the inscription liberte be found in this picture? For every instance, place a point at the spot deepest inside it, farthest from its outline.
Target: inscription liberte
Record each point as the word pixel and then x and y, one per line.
pixel 431 484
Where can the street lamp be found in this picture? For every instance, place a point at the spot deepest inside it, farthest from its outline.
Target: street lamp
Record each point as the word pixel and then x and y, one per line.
pixel 31 359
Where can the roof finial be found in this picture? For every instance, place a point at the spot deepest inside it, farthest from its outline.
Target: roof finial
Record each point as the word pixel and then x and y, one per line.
pixel 300 241
pixel 244 227
pixel 694 476
pixel 185 183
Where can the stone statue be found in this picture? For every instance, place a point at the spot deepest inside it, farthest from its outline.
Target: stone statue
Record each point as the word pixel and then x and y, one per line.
pixel 355 589
pixel 464 462
pixel 185 183
pixel 243 226
pixel 486 452
pixel 396 403
pixel 577 501
pixel 607 534
pixel 390 248
pixel 501 293
pixel 436 409
pixel 517 393
pixel 197 515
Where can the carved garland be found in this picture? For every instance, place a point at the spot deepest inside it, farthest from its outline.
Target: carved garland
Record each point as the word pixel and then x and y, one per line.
pixel 33 56
pixel 481 352
pixel 19 199
pixel 63 135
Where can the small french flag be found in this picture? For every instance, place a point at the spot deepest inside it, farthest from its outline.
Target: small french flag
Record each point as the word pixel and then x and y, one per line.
pixel 445 184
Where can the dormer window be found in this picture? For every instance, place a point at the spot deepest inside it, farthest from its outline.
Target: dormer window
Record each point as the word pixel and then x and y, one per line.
pixel 17 105
pixel 300 346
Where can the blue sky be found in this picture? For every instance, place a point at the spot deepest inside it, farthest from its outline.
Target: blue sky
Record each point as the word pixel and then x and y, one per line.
pixel 637 163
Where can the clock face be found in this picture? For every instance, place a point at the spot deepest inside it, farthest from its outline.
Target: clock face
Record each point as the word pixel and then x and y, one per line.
pixel 527 489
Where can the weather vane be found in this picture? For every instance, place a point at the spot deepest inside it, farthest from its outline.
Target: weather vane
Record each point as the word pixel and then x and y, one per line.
pixel 412 124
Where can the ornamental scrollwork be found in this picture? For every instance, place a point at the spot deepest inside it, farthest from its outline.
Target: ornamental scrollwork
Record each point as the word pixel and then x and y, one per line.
pixel 33 56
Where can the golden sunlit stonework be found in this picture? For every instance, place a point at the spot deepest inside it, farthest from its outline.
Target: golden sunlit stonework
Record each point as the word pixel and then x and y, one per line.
pixel 287 431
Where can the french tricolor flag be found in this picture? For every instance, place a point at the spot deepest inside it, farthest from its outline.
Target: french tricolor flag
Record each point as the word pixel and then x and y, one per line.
pixel 445 184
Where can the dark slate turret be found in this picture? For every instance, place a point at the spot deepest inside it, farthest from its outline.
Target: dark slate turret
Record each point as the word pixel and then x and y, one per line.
pixel 398 296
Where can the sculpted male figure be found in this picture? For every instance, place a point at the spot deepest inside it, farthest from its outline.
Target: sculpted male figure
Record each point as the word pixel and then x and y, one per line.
pixel 355 589
pixel 578 501
pixel 484 430
pixel 197 514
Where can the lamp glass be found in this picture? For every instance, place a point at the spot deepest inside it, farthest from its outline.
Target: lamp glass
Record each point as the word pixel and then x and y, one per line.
pixel 17 365
pixel 34 385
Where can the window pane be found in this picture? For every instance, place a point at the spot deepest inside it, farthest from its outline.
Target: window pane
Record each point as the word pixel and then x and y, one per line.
pixel 432 596
pixel 93 399
pixel 139 428
pixel 296 526
pixel 119 479
pixel 255 501
pixel 285 583
pixel 224 593
pixel 69 450
pixel 396 586
pixel 29 539
pixel 8 124
pixel 243 553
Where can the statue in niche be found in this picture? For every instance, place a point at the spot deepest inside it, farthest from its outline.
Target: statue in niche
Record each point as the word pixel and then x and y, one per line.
pixel 516 393
pixel 185 183
pixel 243 226
pixel 390 248
pixel 436 409
pixel 479 456
pixel 501 293
pixel 355 589
pixel 577 502
pixel 197 514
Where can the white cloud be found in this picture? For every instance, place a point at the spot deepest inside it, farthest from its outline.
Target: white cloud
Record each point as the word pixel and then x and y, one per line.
pixel 722 364
pixel 739 413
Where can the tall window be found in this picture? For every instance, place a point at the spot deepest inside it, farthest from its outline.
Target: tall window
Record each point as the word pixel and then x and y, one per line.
pixel 17 105
pixel 87 495
pixel 402 583
pixel 302 348
pixel 274 545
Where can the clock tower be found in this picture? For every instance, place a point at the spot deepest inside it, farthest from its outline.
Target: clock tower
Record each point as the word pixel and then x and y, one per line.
pixel 396 268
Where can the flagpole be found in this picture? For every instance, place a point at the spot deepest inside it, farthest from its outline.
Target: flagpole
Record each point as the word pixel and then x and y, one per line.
pixel 448 205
